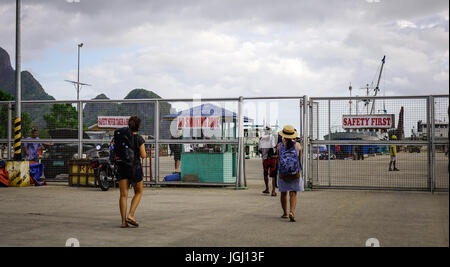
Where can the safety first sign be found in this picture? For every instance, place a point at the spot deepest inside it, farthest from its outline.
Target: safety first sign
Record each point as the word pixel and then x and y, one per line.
pixel 376 121
pixel 112 121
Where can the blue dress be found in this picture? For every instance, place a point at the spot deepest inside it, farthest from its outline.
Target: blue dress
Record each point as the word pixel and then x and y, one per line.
pixel 292 184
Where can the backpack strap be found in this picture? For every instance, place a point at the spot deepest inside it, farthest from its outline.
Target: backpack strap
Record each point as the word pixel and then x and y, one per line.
pixel 282 149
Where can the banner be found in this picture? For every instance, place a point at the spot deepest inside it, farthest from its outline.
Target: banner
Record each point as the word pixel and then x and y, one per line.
pixel 198 122
pixel 376 121
pixel 112 121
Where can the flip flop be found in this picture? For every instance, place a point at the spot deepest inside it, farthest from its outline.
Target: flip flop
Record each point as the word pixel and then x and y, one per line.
pixel 274 194
pixel 125 226
pixel 132 222
pixel 291 217
pixel 266 192
pixel 284 216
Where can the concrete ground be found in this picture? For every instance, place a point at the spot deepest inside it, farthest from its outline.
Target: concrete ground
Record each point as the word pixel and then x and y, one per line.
pixel 181 216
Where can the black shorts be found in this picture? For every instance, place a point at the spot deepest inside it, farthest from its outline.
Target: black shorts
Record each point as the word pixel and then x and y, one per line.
pixel 133 176
pixel 176 152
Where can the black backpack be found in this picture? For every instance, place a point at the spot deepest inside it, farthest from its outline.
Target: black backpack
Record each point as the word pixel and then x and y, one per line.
pixel 124 146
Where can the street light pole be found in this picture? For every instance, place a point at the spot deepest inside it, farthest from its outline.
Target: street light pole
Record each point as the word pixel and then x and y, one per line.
pixel 17 121
pixel 78 79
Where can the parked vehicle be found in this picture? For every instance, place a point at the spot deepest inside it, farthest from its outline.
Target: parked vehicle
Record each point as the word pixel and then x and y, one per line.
pixel 55 158
pixel 104 166
pixel 321 153
pixel 412 149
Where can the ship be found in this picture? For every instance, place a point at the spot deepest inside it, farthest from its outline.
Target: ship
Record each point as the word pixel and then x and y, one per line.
pixel 366 131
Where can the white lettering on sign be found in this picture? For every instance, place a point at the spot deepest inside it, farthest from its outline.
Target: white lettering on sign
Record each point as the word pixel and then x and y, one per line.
pixel 112 122
pixel 377 121
pixel 198 122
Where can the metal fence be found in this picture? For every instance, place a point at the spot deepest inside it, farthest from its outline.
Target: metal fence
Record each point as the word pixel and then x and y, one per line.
pixel 70 129
pixel 225 151
pixel 361 158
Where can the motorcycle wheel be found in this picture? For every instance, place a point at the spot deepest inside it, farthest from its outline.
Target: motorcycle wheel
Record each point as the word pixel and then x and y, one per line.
pixel 103 181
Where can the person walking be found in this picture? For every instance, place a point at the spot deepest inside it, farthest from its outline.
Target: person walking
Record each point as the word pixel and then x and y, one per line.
pixel 289 170
pixel 175 149
pixel 267 145
pixel 360 152
pixel 393 153
pixel 130 148
pixel 32 149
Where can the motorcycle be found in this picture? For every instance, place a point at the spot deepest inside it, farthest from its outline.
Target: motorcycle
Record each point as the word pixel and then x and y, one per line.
pixel 104 167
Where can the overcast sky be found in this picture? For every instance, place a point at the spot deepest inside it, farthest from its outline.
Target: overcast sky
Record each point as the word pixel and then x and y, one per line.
pixel 230 48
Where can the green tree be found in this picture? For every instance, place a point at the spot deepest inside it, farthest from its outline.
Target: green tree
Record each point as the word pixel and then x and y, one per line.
pixel 62 116
pixel 26 120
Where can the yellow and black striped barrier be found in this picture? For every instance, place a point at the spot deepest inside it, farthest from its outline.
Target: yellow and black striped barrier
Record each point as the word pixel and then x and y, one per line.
pixel 17 139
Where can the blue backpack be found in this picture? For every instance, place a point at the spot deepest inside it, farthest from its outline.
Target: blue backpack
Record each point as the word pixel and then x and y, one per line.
pixel 289 163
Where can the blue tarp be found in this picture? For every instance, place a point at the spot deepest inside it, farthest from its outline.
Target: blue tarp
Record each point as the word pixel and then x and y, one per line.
pixel 36 171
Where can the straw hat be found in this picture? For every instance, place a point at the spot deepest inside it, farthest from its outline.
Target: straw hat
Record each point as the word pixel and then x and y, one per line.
pixel 289 132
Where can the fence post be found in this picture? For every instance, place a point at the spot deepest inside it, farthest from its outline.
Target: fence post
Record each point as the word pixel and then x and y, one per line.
pixel 329 138
pixel 304 133
pixel 317 136
pixel 10 107
pixel 80 129
pixel 156 142
pixel 310 137
pixel 240 157
pixel 433 147
pixel 429 165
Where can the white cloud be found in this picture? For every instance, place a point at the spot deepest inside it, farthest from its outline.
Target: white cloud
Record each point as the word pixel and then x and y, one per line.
pixel 406 24
pixel 232 48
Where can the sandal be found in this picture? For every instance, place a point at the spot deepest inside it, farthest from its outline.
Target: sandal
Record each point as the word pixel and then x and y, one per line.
pixel 291 217
pixel 284 216
pixel 274 194
pixel 132 222
pixel 266 192
pixel 125 225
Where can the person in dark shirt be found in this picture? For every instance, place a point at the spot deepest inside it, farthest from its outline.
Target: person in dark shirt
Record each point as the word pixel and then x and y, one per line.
pixel 176 151
pixel 133 176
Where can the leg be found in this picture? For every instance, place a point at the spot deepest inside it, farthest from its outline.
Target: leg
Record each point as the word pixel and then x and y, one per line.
pixel 274 185
pixel 283 200
pixel 266 182
pixel 292 201
pixel 293 204
pixel 395 168
pixel 177 165
pixel 136 199
pixel 123 187
pixel 266 178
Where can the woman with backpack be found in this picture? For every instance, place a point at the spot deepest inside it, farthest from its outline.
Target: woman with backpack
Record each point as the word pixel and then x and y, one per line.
pixel 289 170
pixel 129 148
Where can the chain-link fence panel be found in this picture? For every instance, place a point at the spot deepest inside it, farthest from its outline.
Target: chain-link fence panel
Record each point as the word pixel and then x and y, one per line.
pixel 198 163
pixel 4 151
pixel 102 117
pixel 370 142
pixel 363 169
pixel 441 146
pixel 4 120
pixel 198 120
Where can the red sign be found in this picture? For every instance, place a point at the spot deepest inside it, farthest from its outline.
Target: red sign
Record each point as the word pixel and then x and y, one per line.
pixel 112 121
pixel 198 122
pixel 376 121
